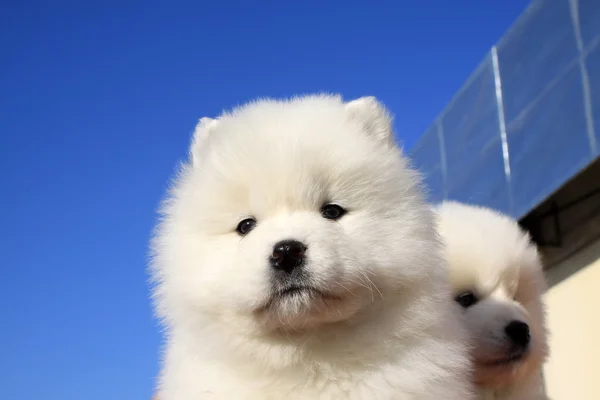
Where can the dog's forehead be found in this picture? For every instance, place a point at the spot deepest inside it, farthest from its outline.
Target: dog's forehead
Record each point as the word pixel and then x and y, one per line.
pixel 477 277
pixel 269 174
pixel 497 283
pixel 304 183
pixel 501 292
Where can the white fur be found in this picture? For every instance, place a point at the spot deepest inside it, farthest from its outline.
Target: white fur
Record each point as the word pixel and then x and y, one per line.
pixel 389 331
pixel 492 256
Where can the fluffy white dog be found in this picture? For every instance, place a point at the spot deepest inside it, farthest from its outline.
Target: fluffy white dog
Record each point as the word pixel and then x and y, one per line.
pixel 497 277
pixel 296 259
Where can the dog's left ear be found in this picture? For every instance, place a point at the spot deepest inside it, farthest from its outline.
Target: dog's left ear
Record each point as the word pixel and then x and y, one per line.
pixel 203 130
pixel 374 117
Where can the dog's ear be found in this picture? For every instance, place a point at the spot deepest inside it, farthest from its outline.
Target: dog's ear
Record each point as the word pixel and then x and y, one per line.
pixel 203 130
pixel 375 118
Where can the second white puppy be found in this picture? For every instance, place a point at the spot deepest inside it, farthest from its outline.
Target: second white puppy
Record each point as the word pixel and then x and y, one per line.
pixel 497 277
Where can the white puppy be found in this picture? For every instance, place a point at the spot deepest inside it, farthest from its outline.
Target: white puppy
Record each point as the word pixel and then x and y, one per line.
pixel 497 277
pixel 296 259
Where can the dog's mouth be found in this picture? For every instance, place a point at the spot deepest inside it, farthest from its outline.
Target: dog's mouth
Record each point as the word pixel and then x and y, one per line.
pixel 511 359
pixel 292 291
pixel 302 293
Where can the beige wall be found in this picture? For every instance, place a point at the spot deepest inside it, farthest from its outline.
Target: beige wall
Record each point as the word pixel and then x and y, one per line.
pixel 573 301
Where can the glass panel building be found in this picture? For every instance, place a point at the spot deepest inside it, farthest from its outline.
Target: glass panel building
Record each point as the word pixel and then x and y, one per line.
pixel 522 136
pixel 528 118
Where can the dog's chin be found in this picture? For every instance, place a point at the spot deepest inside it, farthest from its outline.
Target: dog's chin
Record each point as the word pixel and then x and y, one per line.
pixel 504 370
pixel 301 308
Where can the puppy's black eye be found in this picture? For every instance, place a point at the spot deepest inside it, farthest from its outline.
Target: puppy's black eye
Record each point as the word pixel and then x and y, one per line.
pixel 466 299
pixel 246 226
pixel 332 211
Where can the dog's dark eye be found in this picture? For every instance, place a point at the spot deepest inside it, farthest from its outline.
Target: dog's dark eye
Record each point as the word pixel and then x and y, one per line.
pixel 332 211
pixel 466 299
pixel 246 226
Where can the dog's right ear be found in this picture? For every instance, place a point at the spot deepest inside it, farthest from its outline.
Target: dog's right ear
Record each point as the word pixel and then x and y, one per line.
pixel 203 130
pixel 373 116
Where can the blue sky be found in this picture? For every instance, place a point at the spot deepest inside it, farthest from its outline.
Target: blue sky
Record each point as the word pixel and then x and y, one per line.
pixel 97 102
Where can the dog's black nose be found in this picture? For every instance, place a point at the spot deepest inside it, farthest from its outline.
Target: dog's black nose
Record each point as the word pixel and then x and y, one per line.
pixel 518 332
pixel 287 255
